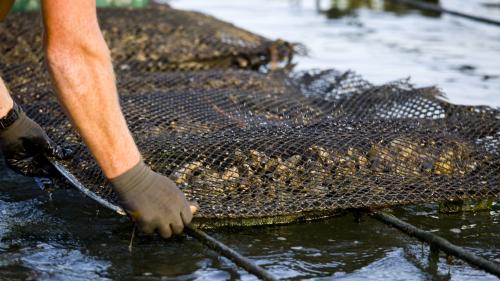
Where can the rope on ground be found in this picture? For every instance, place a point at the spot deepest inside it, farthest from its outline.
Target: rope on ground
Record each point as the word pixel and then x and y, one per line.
pixel 231 254
pixel 441 243
pixel 436 8
pixel 199 235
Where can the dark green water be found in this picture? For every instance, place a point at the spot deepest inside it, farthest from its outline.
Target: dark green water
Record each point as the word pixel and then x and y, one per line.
pixel 69 237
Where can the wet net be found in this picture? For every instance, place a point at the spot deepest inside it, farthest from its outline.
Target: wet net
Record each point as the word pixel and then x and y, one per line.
pixel 157 38
pixel 257 148
pixel 264 148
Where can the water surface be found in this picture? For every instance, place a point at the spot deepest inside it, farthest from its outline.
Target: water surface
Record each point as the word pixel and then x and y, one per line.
pixel 382 42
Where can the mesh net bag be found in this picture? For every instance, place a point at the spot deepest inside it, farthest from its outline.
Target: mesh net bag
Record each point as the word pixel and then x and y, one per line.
pixel 157 38
pixel 263 148
pixel 254 148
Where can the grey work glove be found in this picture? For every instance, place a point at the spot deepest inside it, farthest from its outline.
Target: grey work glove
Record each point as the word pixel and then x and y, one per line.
pixel 153 200
pixel 26 146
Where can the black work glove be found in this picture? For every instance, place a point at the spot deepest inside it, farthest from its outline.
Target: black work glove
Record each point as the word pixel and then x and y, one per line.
pixel 153 200
pixel 26 146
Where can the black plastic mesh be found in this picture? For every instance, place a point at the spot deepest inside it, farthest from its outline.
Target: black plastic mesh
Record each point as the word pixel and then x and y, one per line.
pixel 157 38
pixel 257 148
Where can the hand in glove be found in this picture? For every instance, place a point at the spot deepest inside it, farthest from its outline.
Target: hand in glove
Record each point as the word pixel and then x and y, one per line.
pixel 26 146
pixel 153 200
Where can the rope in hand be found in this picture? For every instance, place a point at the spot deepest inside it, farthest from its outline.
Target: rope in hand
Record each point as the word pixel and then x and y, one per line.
pixel 199 235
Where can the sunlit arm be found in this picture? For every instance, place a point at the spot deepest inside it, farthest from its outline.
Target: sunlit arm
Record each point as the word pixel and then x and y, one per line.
pixel 80 66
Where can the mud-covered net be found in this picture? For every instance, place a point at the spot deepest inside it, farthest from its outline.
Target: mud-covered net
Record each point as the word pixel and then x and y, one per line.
pixel 157 38
pixel 257 148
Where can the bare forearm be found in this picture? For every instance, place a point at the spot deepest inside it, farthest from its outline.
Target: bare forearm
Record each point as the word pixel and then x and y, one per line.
pixel 81 69
pixel 86 89
pixel 80 66
pixel 6 102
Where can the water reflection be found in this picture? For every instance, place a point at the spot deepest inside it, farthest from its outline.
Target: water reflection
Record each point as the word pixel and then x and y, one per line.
pixel 335 9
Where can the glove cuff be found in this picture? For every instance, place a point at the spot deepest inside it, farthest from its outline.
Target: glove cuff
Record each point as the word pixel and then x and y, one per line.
pixel 18 128
pixel 132 178
pixel 12 116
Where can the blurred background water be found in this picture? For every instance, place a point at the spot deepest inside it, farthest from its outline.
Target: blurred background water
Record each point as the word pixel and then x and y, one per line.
pixel 381 40
pixel 68 237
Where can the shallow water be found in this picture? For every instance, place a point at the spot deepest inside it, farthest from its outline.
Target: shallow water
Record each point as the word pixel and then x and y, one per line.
pixel 68 237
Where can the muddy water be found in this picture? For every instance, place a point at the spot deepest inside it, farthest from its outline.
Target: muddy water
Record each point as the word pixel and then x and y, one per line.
pixel 67 237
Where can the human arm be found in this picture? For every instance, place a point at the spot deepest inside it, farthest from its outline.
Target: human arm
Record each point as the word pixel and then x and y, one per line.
pixel 24 144
pixel 79 62
pixel 6 101
pixel 80 67
pixel 5 6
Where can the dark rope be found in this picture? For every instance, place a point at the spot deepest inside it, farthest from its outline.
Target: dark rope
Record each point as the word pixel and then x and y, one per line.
pixel 231 254
pixel 199 235
pixel 437 8
pixel 441 243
